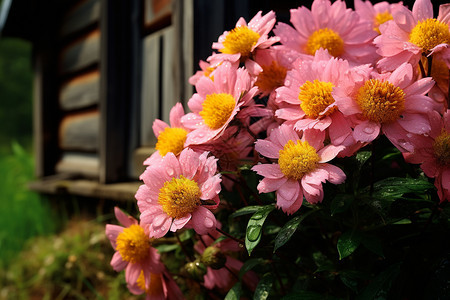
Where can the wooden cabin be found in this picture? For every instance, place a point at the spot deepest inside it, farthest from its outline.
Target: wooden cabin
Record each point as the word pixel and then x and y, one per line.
pixel 103 71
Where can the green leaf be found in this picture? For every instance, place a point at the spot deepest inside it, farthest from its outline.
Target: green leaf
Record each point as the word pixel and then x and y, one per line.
pixel 350 278
pixel 341 203
pixel 362 157
pixel 393 187
pixel 288 230
pixel 373 244
pixel 250 264
pixel 347 243
pixel 349 281
pixel 167 247
pixel 402 222
pixel 254 227
pixel 220 239
pixel 379 287
pixel 235 292
pixel 186 235
pixel 263 288
pixel 245 211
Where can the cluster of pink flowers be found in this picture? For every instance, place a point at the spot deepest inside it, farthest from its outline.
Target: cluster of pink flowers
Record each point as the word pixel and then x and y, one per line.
pixel 288 104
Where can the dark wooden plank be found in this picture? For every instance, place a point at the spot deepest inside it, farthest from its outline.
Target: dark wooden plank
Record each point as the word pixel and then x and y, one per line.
pixel 83 14
pixel 80 92
pixel 46 113
pixel 81 53
pixel 120 56
pixel 80 131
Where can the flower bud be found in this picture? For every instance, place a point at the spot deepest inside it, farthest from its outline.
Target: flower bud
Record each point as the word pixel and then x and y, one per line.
pixel 214 258
pixel 196 270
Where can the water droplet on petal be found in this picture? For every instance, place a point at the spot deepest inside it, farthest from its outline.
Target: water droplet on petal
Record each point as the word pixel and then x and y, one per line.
pixel 368 130
pixel 209 223
pixel 170 171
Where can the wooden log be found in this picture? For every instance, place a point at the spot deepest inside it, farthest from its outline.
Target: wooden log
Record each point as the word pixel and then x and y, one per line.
pixel 80 16
pixel 80 131
pixel 80 92
pixel 79 164
pixel 81 53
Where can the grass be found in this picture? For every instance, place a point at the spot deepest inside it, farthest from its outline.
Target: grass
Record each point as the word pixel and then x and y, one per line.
pixel 23 214
pixel 45 255
pixel 73 264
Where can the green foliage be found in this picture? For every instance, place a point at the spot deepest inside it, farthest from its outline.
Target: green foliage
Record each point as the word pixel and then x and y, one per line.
pixel 23 214
pixel 15 91
pixel 70 265
pixel 380 235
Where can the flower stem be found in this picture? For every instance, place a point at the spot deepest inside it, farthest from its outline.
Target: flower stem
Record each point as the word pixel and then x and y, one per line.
pixel 430 62
pixel 230 236
pixel 422 69
pixel 188 255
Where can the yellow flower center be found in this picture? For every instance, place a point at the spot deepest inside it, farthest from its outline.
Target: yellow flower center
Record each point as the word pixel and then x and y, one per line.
pixel 381 18
pixel 179 197
pixel 208 72
pixel 429 33
pixel 217 108
pixel 133 244
pixel 156 286
pixel 240 40
pixel 171 140
pixel 297 159
pixel 327 39
pixel 315 97
pixel 441 147
pixel 381 101
pixel 271 77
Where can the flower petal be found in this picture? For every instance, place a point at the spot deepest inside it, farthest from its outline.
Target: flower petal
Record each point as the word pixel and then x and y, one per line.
pixel 203 220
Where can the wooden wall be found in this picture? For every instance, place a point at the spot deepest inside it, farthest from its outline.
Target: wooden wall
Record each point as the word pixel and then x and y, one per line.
pixel 79 89
pixel 103 73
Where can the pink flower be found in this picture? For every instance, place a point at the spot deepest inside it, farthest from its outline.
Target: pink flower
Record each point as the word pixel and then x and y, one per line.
pixel 301 167
pixel 160 286
pixel 394 103
pixel 439 92
pixel 134 252
pixel 432 152
pixel 232 149
pixel 413 33
pixel 274 66
pixel 179 192
pixel 377 14
pixel 222 278
pixel 329 26
pixel 207 70
pixel 170 138
pixel 306 100
pixel 217 102
pixel 240 43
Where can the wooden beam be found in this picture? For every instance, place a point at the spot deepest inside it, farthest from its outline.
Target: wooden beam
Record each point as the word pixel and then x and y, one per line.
pixel 124 191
